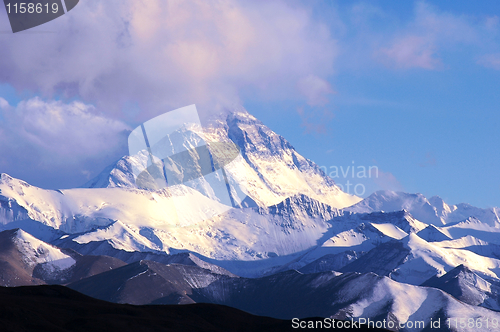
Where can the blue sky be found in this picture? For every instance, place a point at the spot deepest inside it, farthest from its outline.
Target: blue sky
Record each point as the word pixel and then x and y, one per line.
pixel 409 87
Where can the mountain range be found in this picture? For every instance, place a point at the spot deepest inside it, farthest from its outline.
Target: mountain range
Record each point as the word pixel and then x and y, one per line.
pixel 295 246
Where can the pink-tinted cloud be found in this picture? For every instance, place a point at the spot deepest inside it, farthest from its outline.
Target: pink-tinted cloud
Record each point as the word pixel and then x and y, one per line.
pixel 385 180
pixel 419 44
pixel 163 54
pixel 315 89
pixel 410 52
pixel 4 104
pixel 429 160
pixel 490 61
pixel 492 23
pixel 314 121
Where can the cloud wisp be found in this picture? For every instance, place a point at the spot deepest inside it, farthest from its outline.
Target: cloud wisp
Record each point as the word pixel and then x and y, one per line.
pixel 422 41
pixel 490 61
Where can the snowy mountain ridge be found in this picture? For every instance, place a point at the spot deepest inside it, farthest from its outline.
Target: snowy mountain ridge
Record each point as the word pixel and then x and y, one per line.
pixel 432 211
pixel 250 241
pixel 269 169
pixel 294 214
pixel 38 252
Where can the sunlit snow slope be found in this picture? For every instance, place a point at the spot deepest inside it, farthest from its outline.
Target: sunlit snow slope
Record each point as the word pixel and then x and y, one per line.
pixel 269 169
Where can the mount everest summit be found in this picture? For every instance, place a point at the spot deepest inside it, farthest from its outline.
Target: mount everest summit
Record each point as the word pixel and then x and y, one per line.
pixel 293 218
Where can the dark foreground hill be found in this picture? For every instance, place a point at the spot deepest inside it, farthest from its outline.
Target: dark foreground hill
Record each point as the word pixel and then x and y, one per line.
pixel 59 309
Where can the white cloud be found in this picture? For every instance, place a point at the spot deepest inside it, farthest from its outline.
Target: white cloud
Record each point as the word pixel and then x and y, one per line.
pixel 57 138
pixel 386 180
pixel 4 104
pixel 420 43
pixel 490 61
pixel 166 54
pixel 411 51
pixel 315 89
pixel 60 130
pixel 315 120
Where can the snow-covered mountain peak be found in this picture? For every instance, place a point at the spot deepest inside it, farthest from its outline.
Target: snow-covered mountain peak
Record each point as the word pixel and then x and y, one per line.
pixel 302 205
pixel 390 201
pixel 461 271
pixel 471 220
pixel 442 208
pixel 253 137
pixel 5 177
pixel 402 219
pixel 20 234
pixel 430 211
pixel 428 259
pixel 433 234
pixel 268 170
pixel 120 174
pixel 241 115
pixel 9 180
pixel 36 252
pixel 413 239
pixel 467 286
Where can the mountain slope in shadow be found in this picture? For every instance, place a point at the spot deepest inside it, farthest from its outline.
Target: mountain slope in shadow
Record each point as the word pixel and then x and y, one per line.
pixel 59 309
